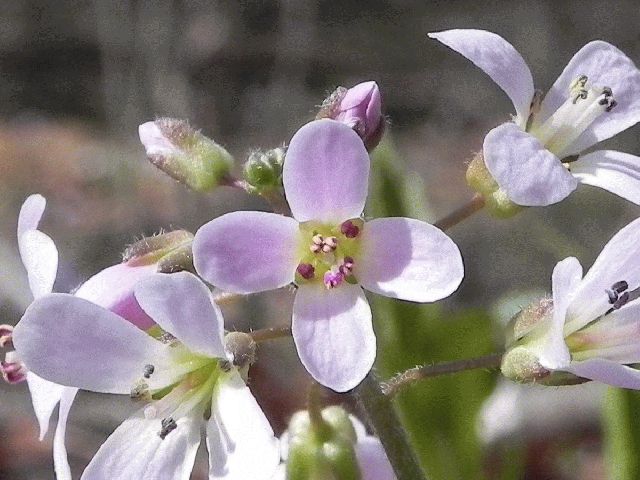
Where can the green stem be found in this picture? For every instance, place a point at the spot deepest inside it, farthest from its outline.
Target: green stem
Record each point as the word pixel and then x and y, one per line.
pixel 384 419
pixel 472 206
pixel 270 333
pixel 413 375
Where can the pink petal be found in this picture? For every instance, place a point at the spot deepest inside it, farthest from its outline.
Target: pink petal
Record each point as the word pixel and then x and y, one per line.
pixel 182 305
pixel 498 59
pixel 326 172
pixel 247 252
pixel 408 259
pixel 333 334
pixel 524 169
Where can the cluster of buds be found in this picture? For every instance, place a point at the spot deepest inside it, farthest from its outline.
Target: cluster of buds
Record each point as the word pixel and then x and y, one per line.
pixel 263 170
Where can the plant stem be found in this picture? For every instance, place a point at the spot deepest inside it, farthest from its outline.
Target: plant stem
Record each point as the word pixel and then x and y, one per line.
pixel 382 416
pixel 413 375
pixel 472 206
pixel 231 181
pixel 272 333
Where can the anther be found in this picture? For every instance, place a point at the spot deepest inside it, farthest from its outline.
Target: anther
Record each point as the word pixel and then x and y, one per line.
pixel 332 279
pixel 349 230
pixel 306 271
pixel 611 106
pixel 330 244
pixel 6 336
pixel 139 391
pixel 347 266
pixel 148 371
pixel 317 242
pixel 168 425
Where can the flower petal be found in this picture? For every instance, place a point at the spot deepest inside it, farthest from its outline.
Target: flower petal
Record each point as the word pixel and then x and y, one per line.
pixel 605 66
pixel 408 259
pixel 40 258
pixel 616 262
pixel 60 460
pixel 614 171
pixel 608 372
pixel 45 395
pixel 136 451
pixel 498 59
pixel 333 334
pixel 154 141
pixel 326 172
pixel 566 277
pixel 76 343
pixel 31 213
pixel 183 306
pixel 240 440
pixel 373 461
pixel 247 252
pixel 524 169
pixel 112 288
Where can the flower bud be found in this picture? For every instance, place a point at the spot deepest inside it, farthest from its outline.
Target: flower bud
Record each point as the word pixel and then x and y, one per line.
pixel 360 107
pixel 185 154
pixel 496 200
pixel 171 252
pixel 263 170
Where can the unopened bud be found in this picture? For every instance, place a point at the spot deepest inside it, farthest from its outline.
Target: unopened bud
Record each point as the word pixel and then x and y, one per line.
pixel 360 107
pixel 263 170
pixel 170 251
pixel 242 347
pixel 185 154
pixel 496 200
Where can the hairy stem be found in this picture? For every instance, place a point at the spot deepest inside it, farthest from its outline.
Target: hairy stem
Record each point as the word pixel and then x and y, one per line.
pixel 472 206
pixel 413 375
pixel 382 416
pixel 272 333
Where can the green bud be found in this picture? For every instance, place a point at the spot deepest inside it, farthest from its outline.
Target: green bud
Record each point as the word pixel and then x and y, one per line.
pixel 185 154
pixel 496 200
pixel 263 170
pixel 170 251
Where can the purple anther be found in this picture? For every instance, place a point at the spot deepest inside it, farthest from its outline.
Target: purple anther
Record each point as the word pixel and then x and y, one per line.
pixel 333 279
pixel 306 270
pixel 347 266
pixel 349 230
pixel 13 372
pixel 6 334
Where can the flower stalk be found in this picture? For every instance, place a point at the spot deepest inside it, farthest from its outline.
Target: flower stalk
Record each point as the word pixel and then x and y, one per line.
pixel 465 211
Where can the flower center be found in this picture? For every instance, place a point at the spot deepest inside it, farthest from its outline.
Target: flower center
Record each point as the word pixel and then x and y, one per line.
pixel 327 252
pixel 585 104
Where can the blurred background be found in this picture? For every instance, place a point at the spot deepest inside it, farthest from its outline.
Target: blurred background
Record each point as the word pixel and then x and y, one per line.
pixel 78 77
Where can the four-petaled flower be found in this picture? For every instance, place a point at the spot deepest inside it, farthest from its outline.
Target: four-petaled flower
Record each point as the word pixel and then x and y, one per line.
pixel 329 252
pixel 538 158
pixel 184 376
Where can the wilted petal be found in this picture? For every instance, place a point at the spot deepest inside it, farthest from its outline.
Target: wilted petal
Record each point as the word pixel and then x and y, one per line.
pixel 408 259
pixel 182 305
pixel 498 59
pixel 76 343
pixel 247 252
pixel 135 451
pixel 608 372
pixel 524 169
pixel 614 171
pixel 240 440
pixel 40 258
pixel 605 66
pixel 333 334
pixel 45 395
pixel 618 261
pixel 373 461
pixel 326 172
pixel 31 213
pixel 60 460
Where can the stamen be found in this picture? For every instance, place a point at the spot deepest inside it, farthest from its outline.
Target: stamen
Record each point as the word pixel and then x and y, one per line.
pixel 619 295
pixel 349 230
pixel 333 279
pixel 306 271
pixel 347 266
pixel 148 371
pixel 317 241
pixel 330 244
pixel 140 391
pixel 6 336
pixel 168 425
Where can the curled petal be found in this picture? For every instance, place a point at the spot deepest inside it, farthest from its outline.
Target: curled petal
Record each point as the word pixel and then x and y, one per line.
pixel 614 171
pixel 40 258
pixel 498 59
pixel 247 252
pixel 333 334
pixel 524 169
pixel 607 372
pixel 60 461
pixel 45 396
pixel 408 259
pixel 31 213
pixel 182 305
pixel 326 172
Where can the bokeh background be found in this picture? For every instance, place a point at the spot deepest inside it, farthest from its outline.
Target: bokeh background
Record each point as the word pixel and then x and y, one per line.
pixel 78 77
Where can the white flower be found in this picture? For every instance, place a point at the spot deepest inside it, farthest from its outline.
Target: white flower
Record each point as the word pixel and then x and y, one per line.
pixel 184 376
pixel 539 158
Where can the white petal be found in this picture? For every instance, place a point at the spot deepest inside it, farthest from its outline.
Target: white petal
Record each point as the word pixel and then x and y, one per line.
pixel 45 395
pixel 498 59
pixel 154 141
pixel 408 259
pixel 608 372
pixel 326 172
pixel 524 169
pixel 566 277
pixel 183 306
pixel 135 451
pixel 614 171
pixel 617 261
pixel 240 440
pixel 605 66
pixel 31 213
pixel 60 461
pixel 40 258
pixel 76 343
pixel 333 334
pixel 373 461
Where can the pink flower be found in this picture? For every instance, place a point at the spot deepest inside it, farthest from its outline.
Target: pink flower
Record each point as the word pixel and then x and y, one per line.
pixel 325 179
